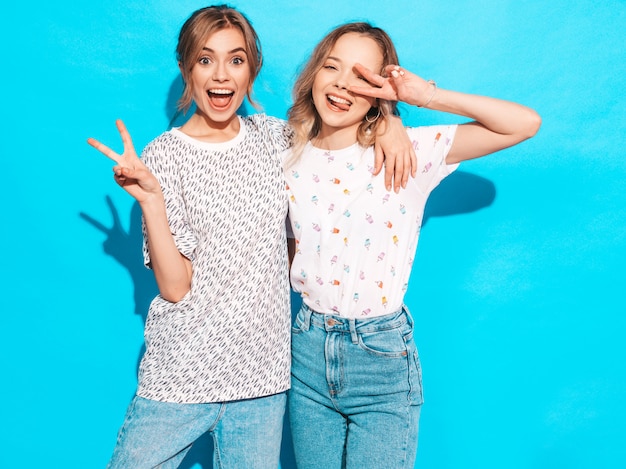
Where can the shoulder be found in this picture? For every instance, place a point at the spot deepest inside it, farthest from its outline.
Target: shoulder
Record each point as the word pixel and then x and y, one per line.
pixel 432 144
pixel 263 121
pixel 166 140
pixel 165 149
pixel 272 128
pixel 432 133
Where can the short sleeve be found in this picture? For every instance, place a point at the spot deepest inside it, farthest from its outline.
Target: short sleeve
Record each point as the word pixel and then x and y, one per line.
pixel 162 162
pixel 432 145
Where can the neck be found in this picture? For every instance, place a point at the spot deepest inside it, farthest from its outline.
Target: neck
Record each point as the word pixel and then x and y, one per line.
pixel 335 138
pixel 202 128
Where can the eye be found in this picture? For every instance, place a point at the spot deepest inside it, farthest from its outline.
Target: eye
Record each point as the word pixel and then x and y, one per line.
pixel 329 67
pixel 238 60
pixel 204 60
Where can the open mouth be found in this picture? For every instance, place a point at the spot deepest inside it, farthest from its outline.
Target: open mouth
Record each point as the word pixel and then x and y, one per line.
pixel 220 98
pixel 338 103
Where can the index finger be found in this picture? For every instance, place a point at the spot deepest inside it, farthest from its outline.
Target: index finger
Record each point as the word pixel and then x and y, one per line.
pixel 374 78
pixel 94 222
pixel 106 151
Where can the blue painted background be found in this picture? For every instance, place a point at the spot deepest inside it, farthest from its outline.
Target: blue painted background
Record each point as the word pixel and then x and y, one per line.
pixel 519 289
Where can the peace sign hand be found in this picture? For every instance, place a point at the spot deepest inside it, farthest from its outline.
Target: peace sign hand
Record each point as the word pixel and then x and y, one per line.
pixel 130 172
pixel 398 85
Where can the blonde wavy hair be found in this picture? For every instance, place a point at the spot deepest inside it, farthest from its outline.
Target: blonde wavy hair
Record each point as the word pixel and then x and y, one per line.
pixel 303 116
pixel 194 35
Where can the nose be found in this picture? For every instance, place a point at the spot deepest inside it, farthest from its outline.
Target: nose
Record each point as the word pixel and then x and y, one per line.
pixel 219 72
pixel 342 82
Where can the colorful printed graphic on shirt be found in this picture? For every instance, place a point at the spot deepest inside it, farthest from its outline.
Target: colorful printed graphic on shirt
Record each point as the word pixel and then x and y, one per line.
pixel 356 259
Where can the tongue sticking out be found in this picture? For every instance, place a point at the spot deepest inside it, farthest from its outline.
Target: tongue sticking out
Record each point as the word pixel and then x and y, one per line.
pixel 336 103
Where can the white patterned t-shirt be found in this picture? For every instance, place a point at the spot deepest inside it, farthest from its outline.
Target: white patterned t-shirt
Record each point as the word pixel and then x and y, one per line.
pixel 229 337
pixel 355 241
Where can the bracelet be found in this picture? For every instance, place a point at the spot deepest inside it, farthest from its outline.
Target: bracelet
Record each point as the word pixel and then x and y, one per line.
pixel 431 82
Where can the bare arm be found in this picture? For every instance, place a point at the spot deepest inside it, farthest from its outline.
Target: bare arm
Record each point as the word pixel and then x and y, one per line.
pixel 497 124
pixel 172 270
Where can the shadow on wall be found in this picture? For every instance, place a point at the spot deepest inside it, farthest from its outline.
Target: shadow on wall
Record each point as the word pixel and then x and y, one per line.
pixel 459 193
pixel 126 248
pixel 175 117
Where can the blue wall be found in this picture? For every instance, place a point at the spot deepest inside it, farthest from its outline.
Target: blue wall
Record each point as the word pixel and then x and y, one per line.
pixel 519 289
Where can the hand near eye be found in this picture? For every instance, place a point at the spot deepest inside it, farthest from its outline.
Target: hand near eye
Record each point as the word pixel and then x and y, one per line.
pixel 398 85
pixel 130 172
pixel 495 123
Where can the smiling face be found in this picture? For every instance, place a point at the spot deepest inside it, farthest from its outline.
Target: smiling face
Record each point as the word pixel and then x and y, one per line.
pixel 341 111
pixel 220 78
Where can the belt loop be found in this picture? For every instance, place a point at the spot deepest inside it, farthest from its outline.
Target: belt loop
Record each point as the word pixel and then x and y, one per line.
pixel 306 317
pixel 355 338
pixel 407 313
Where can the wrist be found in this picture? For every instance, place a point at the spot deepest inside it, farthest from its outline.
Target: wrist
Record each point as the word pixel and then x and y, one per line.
pixel 381 128
pixel 429 93
pixel 152 202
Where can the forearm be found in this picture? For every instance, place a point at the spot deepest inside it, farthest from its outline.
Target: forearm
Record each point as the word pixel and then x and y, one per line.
pixel 497 115
pixel 172 270
pixel 496 124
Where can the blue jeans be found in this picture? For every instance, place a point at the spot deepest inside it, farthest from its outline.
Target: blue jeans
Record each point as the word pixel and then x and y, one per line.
pixel 246 433
pixel 356 391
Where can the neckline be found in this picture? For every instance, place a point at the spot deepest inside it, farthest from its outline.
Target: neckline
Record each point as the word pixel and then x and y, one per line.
pixel 340 151
pixel 236 140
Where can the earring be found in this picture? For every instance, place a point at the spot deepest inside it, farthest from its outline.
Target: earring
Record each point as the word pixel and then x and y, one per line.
pixel 375 118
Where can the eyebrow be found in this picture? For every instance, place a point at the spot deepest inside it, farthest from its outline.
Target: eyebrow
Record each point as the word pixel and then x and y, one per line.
pixel 238 49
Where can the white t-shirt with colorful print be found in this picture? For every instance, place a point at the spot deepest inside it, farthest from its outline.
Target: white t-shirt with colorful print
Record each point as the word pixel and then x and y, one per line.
pixel 356 241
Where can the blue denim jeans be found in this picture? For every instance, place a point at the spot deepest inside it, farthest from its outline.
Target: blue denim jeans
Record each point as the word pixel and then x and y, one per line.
pixel 246 433
pixel 356 391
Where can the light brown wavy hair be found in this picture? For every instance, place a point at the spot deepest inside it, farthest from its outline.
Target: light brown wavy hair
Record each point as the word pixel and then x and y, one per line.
pixel 303 116
pixel 194 35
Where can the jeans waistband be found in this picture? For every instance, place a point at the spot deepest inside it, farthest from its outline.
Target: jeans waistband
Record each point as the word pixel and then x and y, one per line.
pixel 334 323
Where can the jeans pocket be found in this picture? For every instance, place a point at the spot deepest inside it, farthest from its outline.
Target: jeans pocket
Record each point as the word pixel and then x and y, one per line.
pixel 388 343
